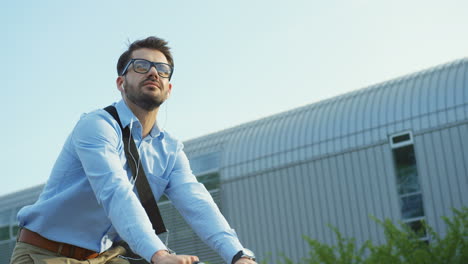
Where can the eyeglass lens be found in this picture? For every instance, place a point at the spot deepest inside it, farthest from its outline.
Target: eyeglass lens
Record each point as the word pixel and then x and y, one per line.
pixel 143 66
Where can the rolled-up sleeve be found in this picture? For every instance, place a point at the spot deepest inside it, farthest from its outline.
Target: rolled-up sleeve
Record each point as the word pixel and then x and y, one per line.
pixel 97 141
pixel 196 205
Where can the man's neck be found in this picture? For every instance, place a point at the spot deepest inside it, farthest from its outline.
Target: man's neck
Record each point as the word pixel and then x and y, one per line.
pixel 146 118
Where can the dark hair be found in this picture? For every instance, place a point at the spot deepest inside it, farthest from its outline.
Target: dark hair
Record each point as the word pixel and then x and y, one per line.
pixel 149 43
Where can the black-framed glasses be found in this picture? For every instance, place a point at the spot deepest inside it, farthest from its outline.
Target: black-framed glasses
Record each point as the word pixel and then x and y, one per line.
pixel 143 66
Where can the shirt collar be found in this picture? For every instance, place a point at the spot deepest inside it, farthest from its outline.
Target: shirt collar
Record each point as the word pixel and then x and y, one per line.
pixel 126 117
pixel 156 132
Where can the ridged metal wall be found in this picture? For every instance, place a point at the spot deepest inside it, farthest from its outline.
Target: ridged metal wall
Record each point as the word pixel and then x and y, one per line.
pixel 418 101
pixel 443 162
pixel 294 173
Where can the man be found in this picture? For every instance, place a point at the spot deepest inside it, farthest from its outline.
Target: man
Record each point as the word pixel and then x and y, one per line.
pixel 89 201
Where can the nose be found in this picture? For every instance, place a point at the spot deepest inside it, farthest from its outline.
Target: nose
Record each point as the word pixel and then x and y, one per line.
pixel 153 72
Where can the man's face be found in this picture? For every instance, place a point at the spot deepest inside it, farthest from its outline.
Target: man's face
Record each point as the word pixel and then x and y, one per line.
pixel 147 90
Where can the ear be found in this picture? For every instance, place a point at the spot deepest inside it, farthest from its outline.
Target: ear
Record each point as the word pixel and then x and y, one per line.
pixel 119 82
pixel 170 90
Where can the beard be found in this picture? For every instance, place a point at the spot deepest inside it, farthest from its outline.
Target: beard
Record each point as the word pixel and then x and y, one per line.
pixel 144 101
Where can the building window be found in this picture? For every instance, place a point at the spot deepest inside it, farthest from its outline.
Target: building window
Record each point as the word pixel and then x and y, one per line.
pixel 406 171
pixel 408 186
pixel 205 163
pixel 5 219
pixel 210 180
pixel 4 233
pixel 15 229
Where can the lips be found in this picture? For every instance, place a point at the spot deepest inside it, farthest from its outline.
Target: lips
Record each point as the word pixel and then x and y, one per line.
pixel 151 83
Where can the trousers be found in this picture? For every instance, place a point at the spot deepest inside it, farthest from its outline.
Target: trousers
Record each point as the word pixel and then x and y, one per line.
pixel 28 254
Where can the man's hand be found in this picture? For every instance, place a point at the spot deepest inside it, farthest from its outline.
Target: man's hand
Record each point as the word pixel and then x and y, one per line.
pixel 245 261
pixel 163 257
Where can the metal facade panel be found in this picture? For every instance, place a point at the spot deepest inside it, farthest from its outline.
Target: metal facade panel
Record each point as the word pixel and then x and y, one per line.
pixel 430 180
pixel 282 239
pixel 342 125
pixel 407 99
pixel 442 171
pixel 463 131
pixel 313 131
pixel 262 145
pixel 424 97
pixel 276 141
pixel 337 201
pixel 329 131
pixel 387 180
pixel 376 117
pixel 323 197
pixel 360 116
pixel 460 94
pixel 352 122
pixel 369 191
pixel 442 92
pixel 450 98
pixel 360 206
pixel 366 126
pixel 432 99
pixel 353 200
pixel 388 104
pixel 377 181
pixel 315 206
pixel 422 147
pixel 459 142
pixel 339 129
pixel 332 129
pixel 329 196
pixel 310 136
pixel 415 107
pixel 347 201
pixel 297 126
pixel 442 164
pixel 396 111
pixel 268 145
pixel 249 153
pixel 265 207
pixel 440 192
pixel 302 144
pixel 294 230
pixel 448 157
pixel 302 205
pixel 288 139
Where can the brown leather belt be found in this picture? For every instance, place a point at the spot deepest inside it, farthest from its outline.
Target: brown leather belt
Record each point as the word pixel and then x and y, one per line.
pixel 67 250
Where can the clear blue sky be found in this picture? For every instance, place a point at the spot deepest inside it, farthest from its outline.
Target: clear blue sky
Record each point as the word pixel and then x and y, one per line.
pixel 235 61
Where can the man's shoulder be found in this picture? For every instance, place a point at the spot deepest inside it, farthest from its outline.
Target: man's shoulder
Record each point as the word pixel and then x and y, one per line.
pixel 96 115
pixel 172 140
pixel 97 120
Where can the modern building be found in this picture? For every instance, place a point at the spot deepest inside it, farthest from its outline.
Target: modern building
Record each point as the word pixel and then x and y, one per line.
pixel 396 150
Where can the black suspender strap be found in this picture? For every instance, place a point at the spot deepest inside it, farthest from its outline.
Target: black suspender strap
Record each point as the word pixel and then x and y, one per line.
pixel 143 188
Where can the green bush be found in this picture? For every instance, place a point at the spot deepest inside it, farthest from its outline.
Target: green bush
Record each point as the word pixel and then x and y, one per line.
pixel 402 246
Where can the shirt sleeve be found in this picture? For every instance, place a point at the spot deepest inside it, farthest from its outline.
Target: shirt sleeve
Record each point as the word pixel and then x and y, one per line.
pixel 198 208
pixel 97 141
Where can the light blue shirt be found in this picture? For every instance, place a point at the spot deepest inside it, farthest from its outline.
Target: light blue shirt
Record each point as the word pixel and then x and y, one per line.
pixel 89 200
